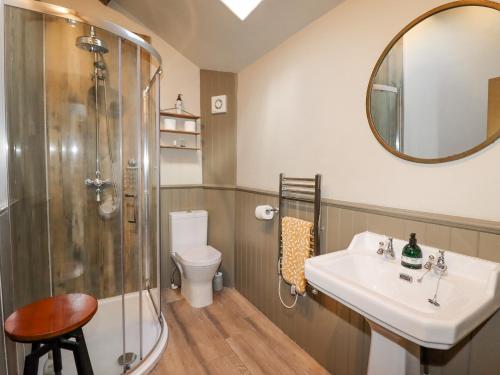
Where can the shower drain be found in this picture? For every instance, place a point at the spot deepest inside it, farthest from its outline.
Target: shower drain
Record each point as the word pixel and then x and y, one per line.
pixel 127 359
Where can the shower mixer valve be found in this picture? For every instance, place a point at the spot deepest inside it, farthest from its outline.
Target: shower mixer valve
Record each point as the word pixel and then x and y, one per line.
pixel 98 184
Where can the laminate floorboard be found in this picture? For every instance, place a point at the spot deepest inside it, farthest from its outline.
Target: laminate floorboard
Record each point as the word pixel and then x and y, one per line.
pixel 228 337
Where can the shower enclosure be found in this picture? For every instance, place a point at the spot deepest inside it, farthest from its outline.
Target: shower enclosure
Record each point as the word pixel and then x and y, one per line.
pixel 81 155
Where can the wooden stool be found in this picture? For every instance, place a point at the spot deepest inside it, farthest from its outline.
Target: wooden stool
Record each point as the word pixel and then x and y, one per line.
pixel 53 324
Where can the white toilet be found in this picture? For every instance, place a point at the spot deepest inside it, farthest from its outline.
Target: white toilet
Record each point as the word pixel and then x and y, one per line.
pixel 197 262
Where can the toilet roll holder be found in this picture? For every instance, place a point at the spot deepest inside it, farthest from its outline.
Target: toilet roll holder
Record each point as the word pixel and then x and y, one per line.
pixel 274 210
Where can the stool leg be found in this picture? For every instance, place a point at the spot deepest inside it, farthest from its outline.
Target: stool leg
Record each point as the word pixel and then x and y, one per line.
pixel 56 357
pixel 31 361
pixel 82 358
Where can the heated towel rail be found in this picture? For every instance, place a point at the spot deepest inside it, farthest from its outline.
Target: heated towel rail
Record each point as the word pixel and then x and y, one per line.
pixel 305 190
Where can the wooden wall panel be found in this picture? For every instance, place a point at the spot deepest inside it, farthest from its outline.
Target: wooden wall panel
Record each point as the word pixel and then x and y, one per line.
pixel 24 85
pixel 85 248
pixel 221 225
pixel 172 199
pixel 336 336
pixel 220 206
pixel 218 131
pixel 333 334
pixel 8 363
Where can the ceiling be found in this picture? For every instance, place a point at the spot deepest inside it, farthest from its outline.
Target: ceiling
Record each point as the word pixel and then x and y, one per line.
pixel 211 36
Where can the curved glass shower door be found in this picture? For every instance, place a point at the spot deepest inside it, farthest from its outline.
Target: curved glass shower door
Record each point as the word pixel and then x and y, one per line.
pixel 81 108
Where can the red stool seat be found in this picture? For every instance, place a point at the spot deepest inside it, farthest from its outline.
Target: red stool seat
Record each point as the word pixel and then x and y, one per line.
pixel 50 317
pixel 52 324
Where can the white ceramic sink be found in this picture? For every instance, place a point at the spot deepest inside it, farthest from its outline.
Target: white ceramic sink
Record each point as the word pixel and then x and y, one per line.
pixel 369 283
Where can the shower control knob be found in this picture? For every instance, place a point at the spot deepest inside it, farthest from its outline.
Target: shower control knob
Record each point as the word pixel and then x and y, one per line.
pixel 97 182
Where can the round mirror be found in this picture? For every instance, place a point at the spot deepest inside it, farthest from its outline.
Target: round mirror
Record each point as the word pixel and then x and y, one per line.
pixel 434 95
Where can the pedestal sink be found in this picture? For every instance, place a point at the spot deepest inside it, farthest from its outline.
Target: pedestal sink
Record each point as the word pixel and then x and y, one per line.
pixel 397 306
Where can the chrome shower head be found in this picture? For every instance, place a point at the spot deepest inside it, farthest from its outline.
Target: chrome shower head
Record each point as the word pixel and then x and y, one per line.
pixel 91 43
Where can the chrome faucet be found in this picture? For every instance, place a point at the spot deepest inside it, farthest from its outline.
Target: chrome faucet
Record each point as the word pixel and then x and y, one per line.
pixel 430 262
pixel 98 184
pixel 440 266
pixel 388 252
pixel 428 266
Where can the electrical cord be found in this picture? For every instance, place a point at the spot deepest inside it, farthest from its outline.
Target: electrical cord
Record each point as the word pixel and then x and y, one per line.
pixel 281 299
pixel 279 287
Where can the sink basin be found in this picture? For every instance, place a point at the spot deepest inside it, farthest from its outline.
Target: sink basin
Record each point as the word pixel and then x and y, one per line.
pixel 369 283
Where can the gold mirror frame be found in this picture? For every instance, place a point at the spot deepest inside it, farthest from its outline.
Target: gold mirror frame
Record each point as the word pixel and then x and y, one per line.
pixel 442 8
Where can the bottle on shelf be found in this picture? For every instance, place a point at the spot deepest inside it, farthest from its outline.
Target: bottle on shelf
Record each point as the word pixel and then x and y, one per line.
pixel 179 105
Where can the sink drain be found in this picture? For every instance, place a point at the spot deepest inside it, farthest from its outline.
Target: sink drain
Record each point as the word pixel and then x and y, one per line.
pixel 127 359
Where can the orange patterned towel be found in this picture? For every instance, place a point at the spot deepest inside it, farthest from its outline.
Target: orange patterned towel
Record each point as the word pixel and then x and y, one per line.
pixel 296 237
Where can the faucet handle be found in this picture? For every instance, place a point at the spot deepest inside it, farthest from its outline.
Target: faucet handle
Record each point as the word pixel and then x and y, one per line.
pixel 389 252
pixel 430 262
pixel 441 260
pixel 440 266
pixel 380 250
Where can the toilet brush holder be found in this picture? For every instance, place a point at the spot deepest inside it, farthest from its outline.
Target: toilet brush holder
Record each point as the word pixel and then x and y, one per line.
pixel 218 282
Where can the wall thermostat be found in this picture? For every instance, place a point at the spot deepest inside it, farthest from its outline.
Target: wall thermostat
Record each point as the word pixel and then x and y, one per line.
pixel 219 104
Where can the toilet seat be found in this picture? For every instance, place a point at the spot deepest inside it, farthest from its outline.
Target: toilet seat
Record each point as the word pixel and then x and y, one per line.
pixel 199 256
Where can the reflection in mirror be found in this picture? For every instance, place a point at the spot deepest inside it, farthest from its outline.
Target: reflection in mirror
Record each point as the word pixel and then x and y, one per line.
pixel 435 95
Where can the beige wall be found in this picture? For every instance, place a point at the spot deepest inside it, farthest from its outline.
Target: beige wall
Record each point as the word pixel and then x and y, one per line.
pixel 301 110
pixel 180 76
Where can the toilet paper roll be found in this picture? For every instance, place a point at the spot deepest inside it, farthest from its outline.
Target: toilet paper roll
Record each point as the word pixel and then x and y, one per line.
pixel 190 126
pixel 169 123
pixel 264 212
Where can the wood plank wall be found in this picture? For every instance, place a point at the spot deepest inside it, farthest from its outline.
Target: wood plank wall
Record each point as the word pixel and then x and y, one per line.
pixel 85 249
pixel 336 336
pixel 218 134
pixel 27 187
pixel 218 131
pixel 220 206
pixel 8 364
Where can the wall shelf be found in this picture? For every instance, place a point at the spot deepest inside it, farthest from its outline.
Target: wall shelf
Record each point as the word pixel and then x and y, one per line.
pixel 179 132
pixel 181 148
pixel 181 120
pixel 185 116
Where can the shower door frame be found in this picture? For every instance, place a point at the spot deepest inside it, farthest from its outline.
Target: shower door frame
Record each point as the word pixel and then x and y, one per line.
pixel 4 205
pixel 122 34
pixel 399 141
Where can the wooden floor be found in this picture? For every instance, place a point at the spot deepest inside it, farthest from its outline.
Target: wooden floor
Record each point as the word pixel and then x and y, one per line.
pixel 229 337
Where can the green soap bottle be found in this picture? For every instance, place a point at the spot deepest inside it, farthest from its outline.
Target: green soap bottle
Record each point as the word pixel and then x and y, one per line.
pixel 412 254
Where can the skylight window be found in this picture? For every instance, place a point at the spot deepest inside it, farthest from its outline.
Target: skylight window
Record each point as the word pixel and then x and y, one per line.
pixel 242 8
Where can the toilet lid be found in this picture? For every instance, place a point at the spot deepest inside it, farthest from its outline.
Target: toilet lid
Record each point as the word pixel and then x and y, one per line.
pixel 199 256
